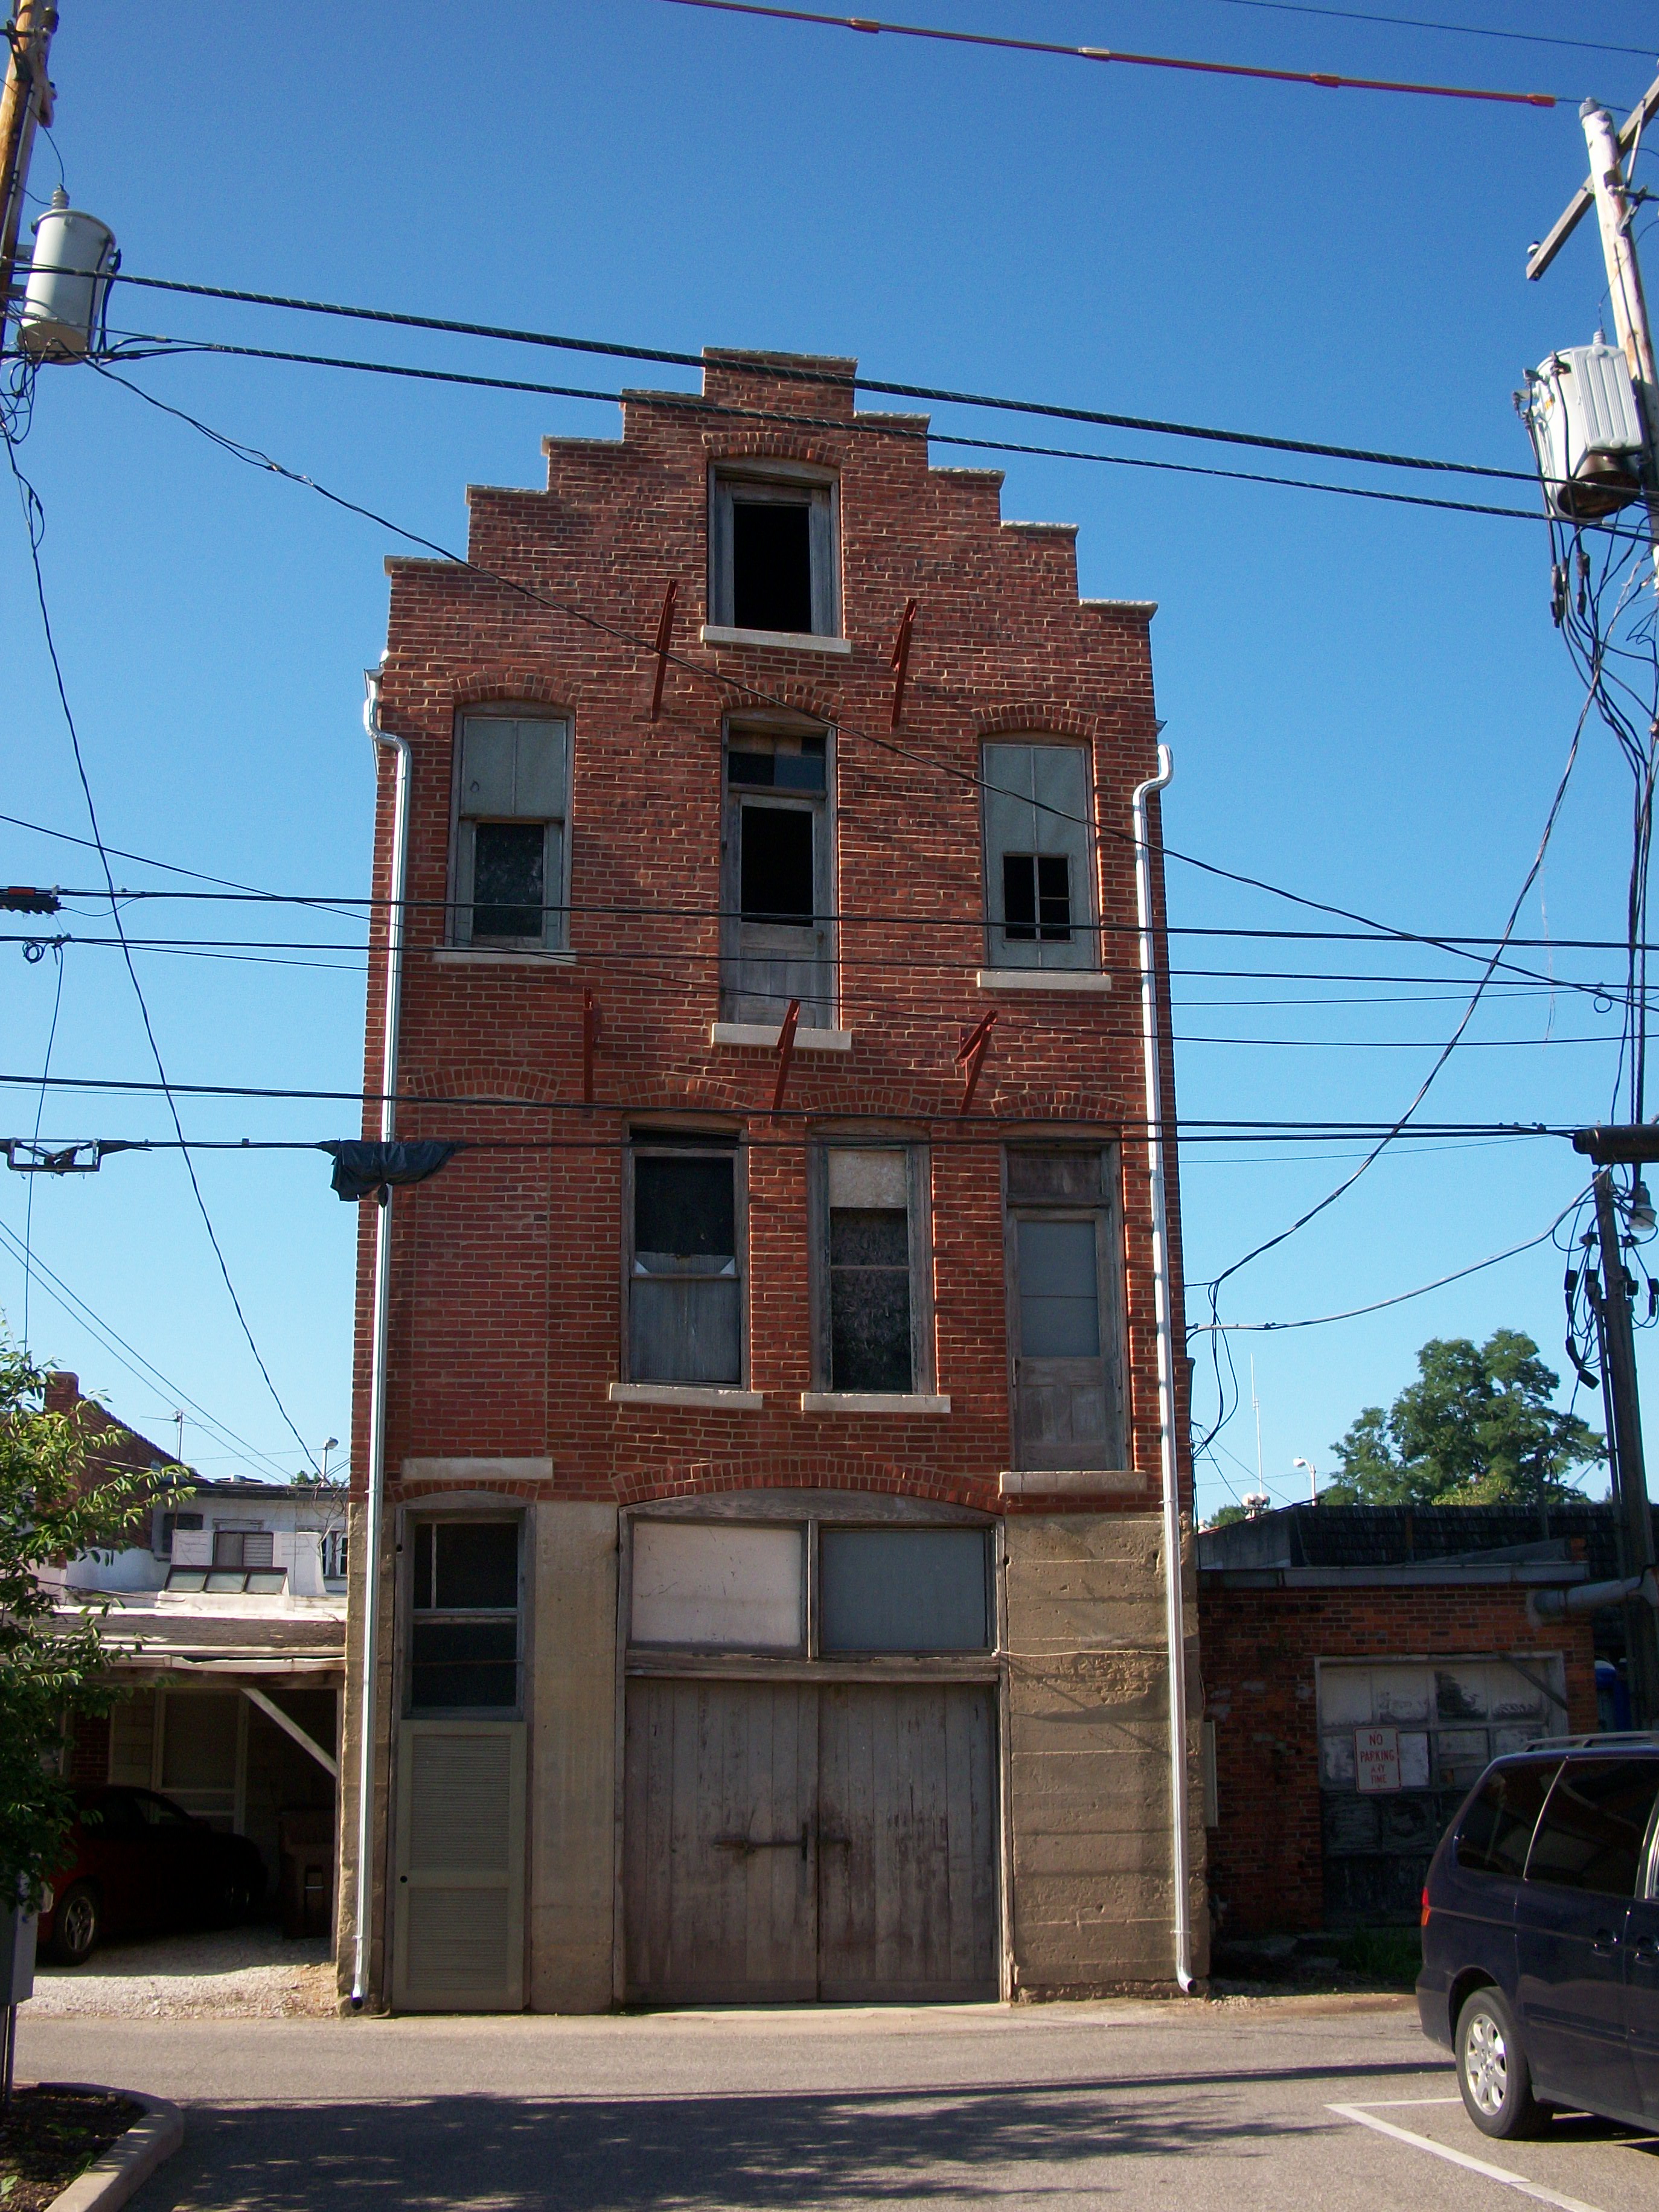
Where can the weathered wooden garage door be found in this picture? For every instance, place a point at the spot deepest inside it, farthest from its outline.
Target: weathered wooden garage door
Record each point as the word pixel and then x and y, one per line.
pixel 786 1842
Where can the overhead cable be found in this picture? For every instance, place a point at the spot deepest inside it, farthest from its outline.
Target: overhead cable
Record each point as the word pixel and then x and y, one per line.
pixel 1399 1298
pixel 1428 24
pixel 799 373
pixel 169 348
pixel 871 27
pixel 33 519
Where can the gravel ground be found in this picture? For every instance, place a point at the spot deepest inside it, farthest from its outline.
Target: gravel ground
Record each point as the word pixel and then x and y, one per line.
pixel 241 1973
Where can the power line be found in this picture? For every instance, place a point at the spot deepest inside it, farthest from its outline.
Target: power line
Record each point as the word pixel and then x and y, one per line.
pixel 870 25
pixel 40 1108
pixel 110 1337
pixel 1425 23
pixel 169 348
pixel 798 373
pixel 656 1109
pixel 726 685
pixel 33 517
pixel 1401 1298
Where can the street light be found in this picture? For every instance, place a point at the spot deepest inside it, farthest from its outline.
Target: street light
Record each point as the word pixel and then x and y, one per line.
pixel 330 1443
pixel 1313 1478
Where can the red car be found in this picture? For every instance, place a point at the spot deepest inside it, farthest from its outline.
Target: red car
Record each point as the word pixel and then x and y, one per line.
pixel 142 1862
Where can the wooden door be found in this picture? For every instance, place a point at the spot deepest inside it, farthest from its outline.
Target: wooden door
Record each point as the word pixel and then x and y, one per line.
pixel 906 1840
pixel 720 1875
pixel 1065 1398
pixel 457 1911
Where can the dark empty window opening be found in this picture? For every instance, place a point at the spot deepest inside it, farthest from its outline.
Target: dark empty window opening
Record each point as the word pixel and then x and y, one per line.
pixel 771 566
pixel 870 1299
pixel 685 1320
pixel 464 1640
pixel 775 867
pixel 508 878
pixel 1036 898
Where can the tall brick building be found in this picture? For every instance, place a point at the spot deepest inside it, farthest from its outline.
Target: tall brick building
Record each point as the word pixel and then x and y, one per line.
pixel 772 1600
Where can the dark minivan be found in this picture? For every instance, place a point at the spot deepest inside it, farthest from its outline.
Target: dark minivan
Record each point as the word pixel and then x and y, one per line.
pixel 1541 1936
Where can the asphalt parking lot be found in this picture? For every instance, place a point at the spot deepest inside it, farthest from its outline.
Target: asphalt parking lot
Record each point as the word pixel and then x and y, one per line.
pixel 1328 2102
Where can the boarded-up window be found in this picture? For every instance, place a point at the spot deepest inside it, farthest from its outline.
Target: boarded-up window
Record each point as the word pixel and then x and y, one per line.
pixel 905 1589
pixel 716 1584
pixel 1039 847
pixel 684 1302
pixel 464 1633
pixel 771 555
pixel 873 1336
pixel 510 843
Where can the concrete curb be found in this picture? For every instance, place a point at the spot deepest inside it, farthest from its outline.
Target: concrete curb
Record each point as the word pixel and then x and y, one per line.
pixel 131 2159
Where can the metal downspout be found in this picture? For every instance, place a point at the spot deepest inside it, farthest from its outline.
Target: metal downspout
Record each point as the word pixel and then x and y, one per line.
pixel 375 1502
pixel 1173 1624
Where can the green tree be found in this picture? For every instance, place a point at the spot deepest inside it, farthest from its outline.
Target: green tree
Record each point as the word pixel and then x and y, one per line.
pixel 57 1501
pixel 1225 1516
pixel 1477 1427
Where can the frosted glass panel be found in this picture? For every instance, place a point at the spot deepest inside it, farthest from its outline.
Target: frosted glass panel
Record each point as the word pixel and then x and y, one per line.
pixel 711 1583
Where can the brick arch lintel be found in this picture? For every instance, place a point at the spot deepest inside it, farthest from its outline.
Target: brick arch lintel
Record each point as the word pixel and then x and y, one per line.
pixel 1038 718
pixel 505 681
pixel 771 445
pixel 708 1479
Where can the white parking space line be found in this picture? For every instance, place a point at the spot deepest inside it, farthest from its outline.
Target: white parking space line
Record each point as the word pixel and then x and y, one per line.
pixel 1535 2190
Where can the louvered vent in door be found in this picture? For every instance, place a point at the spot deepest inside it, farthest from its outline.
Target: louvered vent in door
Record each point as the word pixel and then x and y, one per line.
pixel 457 1928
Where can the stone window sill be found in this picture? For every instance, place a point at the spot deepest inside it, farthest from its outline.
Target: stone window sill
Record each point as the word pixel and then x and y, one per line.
pixel 1040 979
pixel 464 956
pixel 717 1397
pixel 1068 1481
pixel 903 1403
pixel 765 1036
pixel 782 641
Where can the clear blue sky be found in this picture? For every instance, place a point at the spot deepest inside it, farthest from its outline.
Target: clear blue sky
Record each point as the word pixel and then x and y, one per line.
pixel 1366 704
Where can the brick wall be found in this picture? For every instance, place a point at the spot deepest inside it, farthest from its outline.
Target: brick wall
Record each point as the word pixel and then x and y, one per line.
pixel 1259 1647
pixel 506 1316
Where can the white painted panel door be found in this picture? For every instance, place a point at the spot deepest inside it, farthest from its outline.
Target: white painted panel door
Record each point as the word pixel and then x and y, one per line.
pixel 458 1912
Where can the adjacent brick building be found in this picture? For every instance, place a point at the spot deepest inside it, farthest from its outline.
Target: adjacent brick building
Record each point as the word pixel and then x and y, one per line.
pixel 1408 1631
pixel 771 1598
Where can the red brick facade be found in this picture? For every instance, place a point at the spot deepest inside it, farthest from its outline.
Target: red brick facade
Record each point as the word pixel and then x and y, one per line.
pixel 1259 1648
pixel 505 1321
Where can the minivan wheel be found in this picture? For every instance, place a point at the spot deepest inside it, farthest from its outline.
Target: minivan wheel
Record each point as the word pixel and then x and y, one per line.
pixel 1492 2071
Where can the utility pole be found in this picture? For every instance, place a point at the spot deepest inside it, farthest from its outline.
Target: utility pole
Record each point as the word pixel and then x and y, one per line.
pixel 1631 1146
pixel 26 102
pixel 1629 1465
pixel 1606 191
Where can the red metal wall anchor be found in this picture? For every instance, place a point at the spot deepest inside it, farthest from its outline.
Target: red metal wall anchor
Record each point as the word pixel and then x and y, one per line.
pixel 665 639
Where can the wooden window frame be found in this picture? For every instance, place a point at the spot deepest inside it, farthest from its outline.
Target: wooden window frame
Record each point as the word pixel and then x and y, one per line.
pixel 430 1513
pixel 687 1144
pixel 918 1169
pixel 826 871
pixel 554 934
pixel 789 483
pixel 1085 919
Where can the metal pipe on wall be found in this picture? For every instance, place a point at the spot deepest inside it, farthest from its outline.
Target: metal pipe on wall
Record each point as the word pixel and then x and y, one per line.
pixel 375 1501
pixel 1163 1314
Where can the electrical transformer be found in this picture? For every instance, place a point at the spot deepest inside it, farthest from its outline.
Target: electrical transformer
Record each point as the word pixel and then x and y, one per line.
pixel 75 258
pixel 1585 420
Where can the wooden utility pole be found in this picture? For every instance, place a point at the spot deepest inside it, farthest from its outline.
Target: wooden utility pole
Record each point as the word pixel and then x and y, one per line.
pixel 1629 1484
pixel 1606 191
pixel 25 101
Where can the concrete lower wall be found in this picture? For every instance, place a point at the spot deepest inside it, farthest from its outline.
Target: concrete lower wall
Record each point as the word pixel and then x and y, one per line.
pixel 1088 1755
pixel 573 1731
